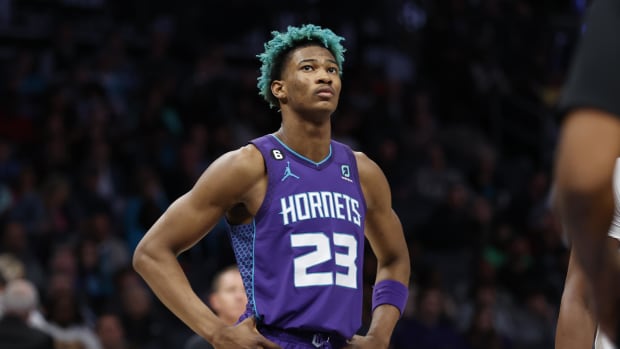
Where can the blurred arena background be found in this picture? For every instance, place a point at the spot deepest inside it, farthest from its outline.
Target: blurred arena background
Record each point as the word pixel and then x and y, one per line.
pixel 109 110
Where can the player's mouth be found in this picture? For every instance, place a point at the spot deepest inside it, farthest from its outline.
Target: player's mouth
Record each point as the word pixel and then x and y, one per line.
pixel 325 92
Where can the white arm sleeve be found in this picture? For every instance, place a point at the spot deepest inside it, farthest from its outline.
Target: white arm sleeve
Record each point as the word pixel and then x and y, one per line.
pixel 614 229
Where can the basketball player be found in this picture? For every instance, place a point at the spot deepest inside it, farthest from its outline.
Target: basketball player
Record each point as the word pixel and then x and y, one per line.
pixel 299 206
pixel 576 326
pixel 588 147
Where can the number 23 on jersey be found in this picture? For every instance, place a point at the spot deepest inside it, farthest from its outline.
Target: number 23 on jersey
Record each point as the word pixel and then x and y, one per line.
pixel 321 254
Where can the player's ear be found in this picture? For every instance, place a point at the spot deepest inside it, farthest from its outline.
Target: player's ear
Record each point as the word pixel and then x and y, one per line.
pixel 278 89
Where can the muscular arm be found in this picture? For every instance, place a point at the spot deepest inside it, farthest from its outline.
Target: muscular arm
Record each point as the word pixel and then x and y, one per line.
pixel 576 322
pixel 385 234
pixel 224 184
pixel 588 148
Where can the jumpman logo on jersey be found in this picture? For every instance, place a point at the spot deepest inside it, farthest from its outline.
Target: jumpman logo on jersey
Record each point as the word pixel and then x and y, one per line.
pixel 288 173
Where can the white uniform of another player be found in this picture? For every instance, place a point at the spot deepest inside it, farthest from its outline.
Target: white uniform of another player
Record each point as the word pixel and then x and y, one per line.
pixel 601 341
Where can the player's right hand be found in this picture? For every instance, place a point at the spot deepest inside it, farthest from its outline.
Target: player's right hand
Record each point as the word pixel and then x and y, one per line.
pixel 242 336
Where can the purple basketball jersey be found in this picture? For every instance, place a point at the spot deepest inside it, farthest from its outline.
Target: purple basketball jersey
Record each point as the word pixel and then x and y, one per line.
pixel 301 259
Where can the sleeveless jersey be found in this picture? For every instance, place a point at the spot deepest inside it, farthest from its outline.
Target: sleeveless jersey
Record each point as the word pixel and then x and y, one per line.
pixel 301 258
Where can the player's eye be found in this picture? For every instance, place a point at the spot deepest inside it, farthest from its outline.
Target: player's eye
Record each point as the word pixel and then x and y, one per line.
pixel 307 68
pixel 333 70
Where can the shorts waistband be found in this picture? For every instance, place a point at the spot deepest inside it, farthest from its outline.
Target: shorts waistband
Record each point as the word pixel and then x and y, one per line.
pixel 316 338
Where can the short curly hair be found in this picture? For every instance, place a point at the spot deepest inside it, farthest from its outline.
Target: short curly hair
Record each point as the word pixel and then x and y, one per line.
pixel 282 43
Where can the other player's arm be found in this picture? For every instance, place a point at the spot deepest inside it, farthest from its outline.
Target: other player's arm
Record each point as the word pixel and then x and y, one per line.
pixel 385 234
pixel 223 185
pixel 576 322
pixel 588 147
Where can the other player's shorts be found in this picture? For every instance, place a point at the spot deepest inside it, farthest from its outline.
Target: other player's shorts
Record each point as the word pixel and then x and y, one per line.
pixel 594 75
pixel 602 342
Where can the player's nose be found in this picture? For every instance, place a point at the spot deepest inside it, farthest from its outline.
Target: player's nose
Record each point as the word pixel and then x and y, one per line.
pixel 323 77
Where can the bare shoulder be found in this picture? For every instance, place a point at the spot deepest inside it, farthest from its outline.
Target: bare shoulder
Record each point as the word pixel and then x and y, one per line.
pixel 232 176
pixel 373 181
pixel 368 169
pixel 246 161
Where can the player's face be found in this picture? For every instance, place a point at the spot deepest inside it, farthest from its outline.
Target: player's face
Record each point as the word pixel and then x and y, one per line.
pixel 311 80
pixel 229 300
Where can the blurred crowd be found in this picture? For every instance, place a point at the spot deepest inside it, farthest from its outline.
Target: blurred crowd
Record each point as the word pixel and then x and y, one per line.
pixel 111 110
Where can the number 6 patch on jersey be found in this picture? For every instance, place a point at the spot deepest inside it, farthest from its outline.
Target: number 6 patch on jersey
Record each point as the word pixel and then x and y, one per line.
pixel 277 154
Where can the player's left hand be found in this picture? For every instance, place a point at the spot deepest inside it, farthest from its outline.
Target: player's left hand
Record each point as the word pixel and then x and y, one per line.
pixel 370 342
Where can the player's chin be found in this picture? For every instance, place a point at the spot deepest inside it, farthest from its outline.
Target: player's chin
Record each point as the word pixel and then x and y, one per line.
pixel 332 99
pixel 327 105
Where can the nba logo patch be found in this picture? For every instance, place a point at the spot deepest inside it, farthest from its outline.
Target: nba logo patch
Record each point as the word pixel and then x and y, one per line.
pixel 346 172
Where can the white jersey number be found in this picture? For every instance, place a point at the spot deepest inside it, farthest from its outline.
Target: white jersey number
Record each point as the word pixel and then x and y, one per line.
pixel 323 253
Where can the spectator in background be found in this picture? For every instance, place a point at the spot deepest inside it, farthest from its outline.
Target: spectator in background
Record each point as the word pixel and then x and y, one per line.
pixel 9 164
pixel 429 328
pixel 111 332
pixel 20 299
pixel 59 215
pixel 65 321
pixel 227 299
pixel 2 289
pixel 15 242
pixel 534 322
pixel 28 206
pixel 144 206
pixel 482 333
pixel 111 249
pixel 486 300
pixel 143 324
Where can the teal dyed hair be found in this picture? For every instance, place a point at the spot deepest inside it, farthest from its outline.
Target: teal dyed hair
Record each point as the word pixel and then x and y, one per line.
pixel 282 43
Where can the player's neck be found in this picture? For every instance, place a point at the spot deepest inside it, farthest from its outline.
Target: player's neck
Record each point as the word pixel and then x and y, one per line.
pixel 307 139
